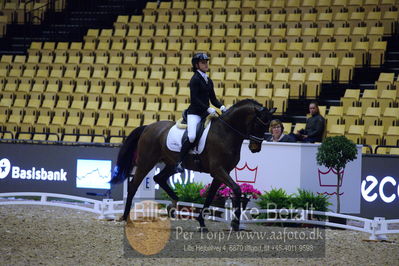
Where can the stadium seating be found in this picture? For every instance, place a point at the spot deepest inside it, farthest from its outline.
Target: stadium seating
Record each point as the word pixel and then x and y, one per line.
pixel 138 72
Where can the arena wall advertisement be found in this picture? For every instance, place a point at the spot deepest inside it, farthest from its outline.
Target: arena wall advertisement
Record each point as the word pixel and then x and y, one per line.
pixel 293 165
pixel 70 170
pixel 370 186
pixel 380 187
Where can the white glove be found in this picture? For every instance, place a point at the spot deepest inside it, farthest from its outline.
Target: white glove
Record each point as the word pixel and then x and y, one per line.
pixel 211 111
pixel 223 108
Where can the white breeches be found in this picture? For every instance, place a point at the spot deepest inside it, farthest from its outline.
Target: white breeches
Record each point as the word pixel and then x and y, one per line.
pixel 192 122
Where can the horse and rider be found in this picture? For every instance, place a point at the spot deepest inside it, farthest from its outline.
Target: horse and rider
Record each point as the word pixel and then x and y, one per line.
pixel 146 145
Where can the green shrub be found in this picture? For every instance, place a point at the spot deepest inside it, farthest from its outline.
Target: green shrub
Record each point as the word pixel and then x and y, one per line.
pixel 188 193
pixel 336 152
pixel 310 201
pixel 275 199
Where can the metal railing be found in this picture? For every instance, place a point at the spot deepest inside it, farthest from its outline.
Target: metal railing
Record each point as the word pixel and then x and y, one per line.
pixel 377 228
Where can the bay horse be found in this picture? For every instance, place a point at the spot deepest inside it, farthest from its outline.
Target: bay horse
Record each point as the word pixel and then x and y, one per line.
pixel 146 146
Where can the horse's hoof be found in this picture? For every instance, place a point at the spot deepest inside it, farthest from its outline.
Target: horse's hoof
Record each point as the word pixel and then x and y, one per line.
pixel 128 220
pixel 203 230
pixel 235 226
pixel 121 219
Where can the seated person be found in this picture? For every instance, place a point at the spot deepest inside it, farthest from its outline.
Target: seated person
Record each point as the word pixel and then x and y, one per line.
pixel 314 129
pixel 277 131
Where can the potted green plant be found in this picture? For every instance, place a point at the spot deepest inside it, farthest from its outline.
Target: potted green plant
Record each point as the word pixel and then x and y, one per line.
pixel 189 192
pixel 275 199
pixel 308 200
pixel 336 152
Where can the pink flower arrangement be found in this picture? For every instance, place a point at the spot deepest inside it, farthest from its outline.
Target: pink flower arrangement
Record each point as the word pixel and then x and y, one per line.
pixel 247 190
pixel 219 194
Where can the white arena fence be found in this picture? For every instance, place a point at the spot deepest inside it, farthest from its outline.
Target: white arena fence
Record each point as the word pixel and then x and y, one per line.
pixel 378 228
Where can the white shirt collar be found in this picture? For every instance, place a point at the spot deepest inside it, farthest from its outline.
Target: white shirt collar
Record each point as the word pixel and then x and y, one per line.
pixel 204 75
pixel 282 136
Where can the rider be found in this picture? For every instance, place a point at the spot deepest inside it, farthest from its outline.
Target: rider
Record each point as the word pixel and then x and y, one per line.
pixel 201 92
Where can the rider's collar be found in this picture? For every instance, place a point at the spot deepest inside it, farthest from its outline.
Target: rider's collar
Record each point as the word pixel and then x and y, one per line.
pixel 204 75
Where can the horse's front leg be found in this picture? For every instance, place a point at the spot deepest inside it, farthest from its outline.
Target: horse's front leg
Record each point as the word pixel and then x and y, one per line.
pixel 236 200
pixel 209 198
pixel 133 185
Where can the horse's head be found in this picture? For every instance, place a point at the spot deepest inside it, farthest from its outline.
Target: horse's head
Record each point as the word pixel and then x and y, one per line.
pixel 258 126
pixel 250 120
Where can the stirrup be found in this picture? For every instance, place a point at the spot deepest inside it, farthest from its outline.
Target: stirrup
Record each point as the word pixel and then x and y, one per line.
pixel 179 168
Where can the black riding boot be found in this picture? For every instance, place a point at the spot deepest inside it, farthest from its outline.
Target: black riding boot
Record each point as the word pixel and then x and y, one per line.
pixel 183 153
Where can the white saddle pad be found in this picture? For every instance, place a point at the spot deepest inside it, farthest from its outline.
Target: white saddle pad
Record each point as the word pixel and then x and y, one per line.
pixel 173 141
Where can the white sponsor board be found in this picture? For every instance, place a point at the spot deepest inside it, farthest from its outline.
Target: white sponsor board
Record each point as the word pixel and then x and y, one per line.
pixel 291 166
pixel 280 165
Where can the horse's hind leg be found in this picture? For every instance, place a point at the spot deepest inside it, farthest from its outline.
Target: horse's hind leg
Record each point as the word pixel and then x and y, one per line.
pixel 211 194
pixel 132 189
pixel 162 179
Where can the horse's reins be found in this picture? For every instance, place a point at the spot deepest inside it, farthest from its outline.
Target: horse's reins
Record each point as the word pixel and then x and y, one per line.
pixel 245 136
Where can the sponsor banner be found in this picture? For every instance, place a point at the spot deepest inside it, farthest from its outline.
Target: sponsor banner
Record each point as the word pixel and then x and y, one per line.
pixel 380 187
pixel 293 165
pixel 71 170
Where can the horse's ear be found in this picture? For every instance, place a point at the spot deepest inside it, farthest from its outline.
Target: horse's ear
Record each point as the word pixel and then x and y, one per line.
pixel 271 111
pixel 260 109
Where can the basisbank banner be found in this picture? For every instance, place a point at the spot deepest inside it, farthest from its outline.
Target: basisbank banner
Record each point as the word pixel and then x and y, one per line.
pixel 71 170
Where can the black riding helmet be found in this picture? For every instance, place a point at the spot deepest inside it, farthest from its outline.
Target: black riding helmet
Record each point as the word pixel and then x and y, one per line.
pixel 196 58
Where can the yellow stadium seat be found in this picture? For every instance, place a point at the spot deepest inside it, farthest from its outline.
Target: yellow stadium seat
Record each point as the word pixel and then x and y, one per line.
pixel 384 82
pixel 335 113
pixel 298 127
pixel 297 83
pixel 233 61
pixel 371 117
pixel 233 76
pixel 280 100
pixel 392 136
pixel 330 66
pixel 368 99
pixel 352 116
pixel 88 118
pixel 390 116
pixel 313 85
pixel 49 101
pixel 387 98
pixel 356 133
pixel 373 135
pixel 346 69
pixel 335 130
pixel 377 52
pixel 351 97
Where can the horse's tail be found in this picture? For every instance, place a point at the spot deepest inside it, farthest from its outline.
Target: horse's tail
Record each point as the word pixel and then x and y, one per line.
pixel 127 156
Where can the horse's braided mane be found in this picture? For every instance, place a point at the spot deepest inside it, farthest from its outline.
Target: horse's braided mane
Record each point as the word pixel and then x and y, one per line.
pixel 246 101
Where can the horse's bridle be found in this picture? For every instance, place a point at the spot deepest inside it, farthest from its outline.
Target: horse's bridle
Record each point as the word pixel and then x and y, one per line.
pixel 247 136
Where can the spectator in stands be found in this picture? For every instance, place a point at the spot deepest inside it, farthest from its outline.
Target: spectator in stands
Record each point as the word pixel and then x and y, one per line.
pixel 201 92
pixel 315 125
pixel 277 131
